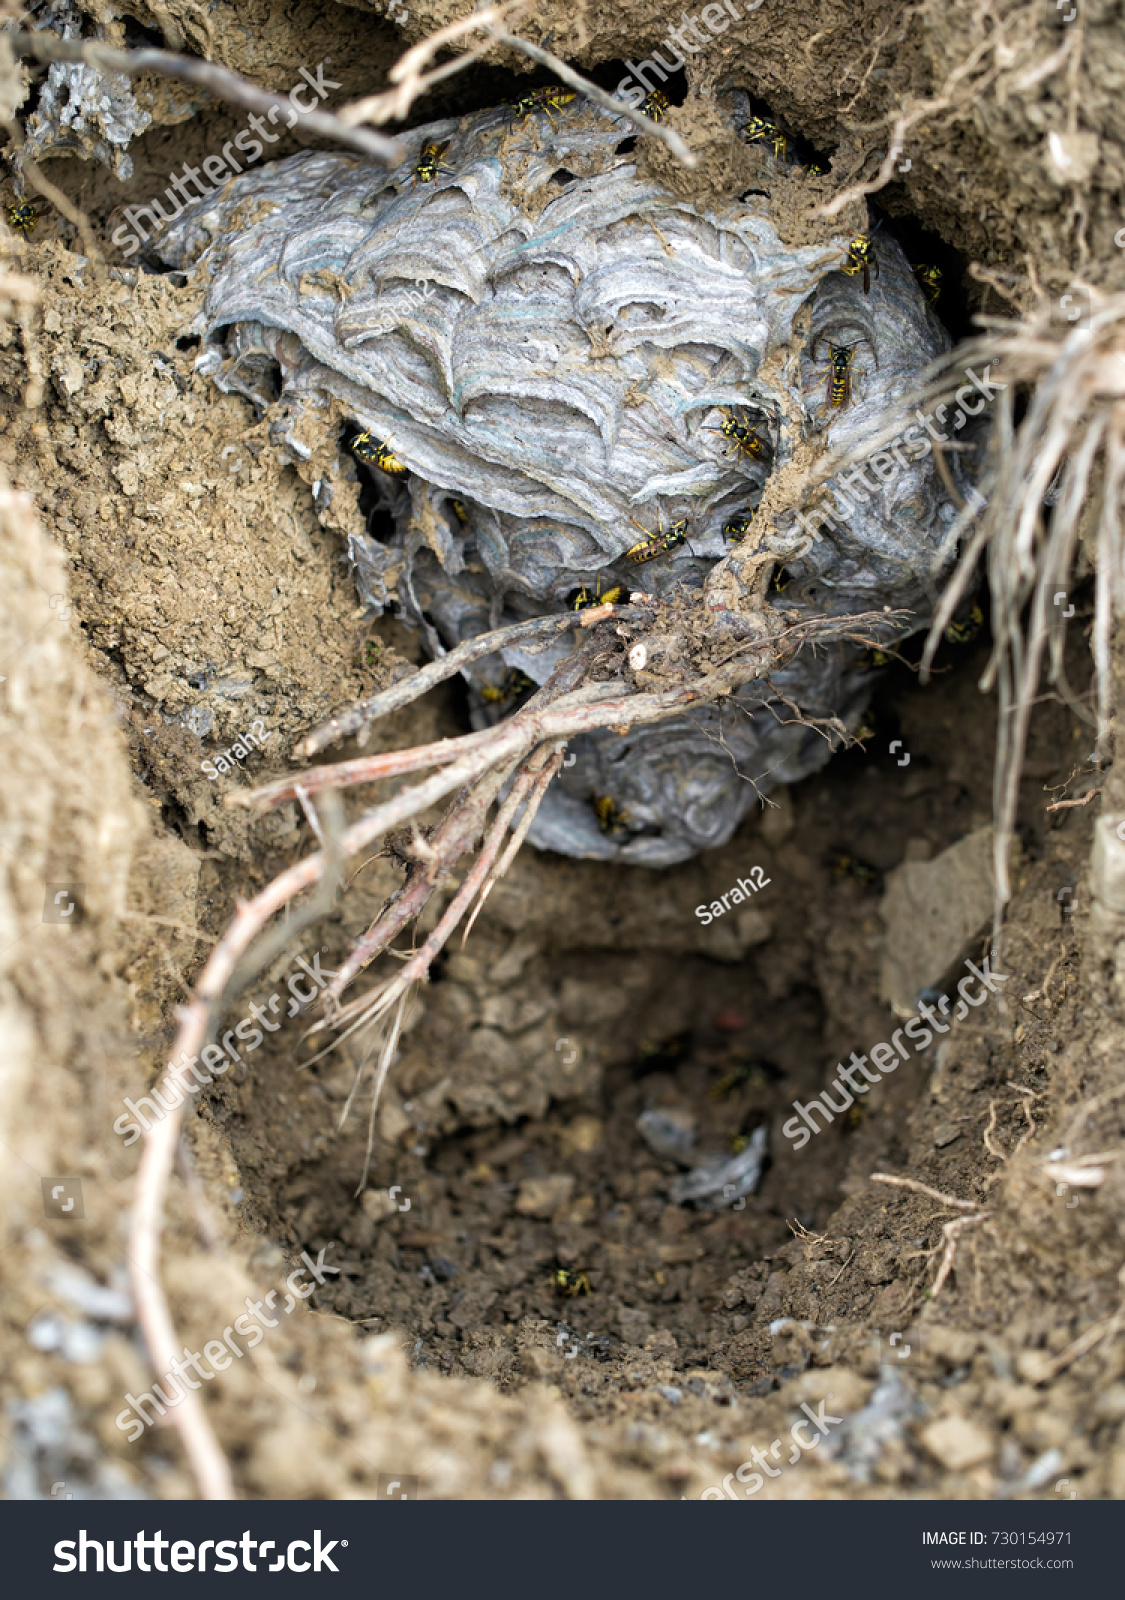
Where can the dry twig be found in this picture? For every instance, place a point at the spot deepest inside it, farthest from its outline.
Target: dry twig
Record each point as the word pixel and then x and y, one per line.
pixel 1065 805
pixel 411 80
pixel 923 1188
pixel 951 1232
pixel 219 81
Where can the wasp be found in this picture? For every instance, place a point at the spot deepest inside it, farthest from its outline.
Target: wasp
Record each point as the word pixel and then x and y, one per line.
pixel 570 1283
pixel 513 684
pixel 846 866
pixel 377 453
pixel 654 105
pixel 459 510
pixel 659 543
pixel 840 358
pixel 612 821
pixel 552 98
pixel 861 257
pixel 584 598
pixel 815 170
pixel 963 630
pixel 737 528
pixel 874 659
pixel 760 130
pixel 430 161
pixel 753 1074
pixel 930 280
pixel 654 1053
pixel 866 729
pixel 737 1143
pixel 746 441
pixel 23 216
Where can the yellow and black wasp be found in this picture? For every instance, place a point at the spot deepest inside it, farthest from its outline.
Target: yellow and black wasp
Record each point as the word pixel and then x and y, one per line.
pixel 861 257
pixel 736 529
pixel 742 436
pixel 930 280
pixel 584 598
pixel 760 130
pixel 459 510
pixel 866 728
pixel 815 170
pixel 550 99
pixel 611 820
pixel 962 630
pixel 844 865
pixel 659 543
pixel 512 685
pixel 570 1283
pixel 430 162
pixel 654 105
pixel 840 359
pixel 655 1054
pixel 377 453
pixel 752 1074
pixel 22 216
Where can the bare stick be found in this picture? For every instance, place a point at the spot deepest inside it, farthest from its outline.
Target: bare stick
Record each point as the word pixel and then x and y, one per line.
pixel 1107 1328
pixel 374 1004
pixel 220 81
pixel 401 694
pixel 951 1232
pixel 365 769
pixel 923 1188
pixel 204 1453
pixel 1065 805
pixel 392 105
pixel 519 834
pixel 616 108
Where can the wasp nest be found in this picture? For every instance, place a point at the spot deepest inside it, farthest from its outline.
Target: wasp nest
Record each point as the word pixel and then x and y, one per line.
pixel 568 381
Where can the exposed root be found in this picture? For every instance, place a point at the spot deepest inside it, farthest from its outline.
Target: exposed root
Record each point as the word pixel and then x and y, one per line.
pixel 951 1232
pixel 220 81
pixel 923 1188
pixel 411 79
pixel 1069 444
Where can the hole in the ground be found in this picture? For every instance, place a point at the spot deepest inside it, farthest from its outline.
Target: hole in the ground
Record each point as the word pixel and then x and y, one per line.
pixel 532 1206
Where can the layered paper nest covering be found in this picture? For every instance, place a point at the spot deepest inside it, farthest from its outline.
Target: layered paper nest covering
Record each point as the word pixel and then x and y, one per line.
pixel 551 344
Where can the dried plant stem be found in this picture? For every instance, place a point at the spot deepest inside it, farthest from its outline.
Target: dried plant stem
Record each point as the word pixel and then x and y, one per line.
pixel 951 1232
pixel 408 73
pixel 219 81
pixel 923 1188
pixel 435 672
pixel 615 108
pixel 204 1453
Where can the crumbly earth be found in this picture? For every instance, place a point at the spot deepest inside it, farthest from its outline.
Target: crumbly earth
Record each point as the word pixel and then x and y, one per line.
pixel 202 593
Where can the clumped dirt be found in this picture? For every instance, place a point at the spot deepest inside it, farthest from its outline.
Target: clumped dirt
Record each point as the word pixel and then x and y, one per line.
pixel 207 596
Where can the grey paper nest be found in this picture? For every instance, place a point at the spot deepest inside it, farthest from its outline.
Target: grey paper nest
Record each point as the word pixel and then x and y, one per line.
pixel 553 342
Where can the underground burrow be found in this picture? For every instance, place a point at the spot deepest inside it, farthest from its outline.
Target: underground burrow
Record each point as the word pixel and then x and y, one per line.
pixel 579 1168
pixel 584 1129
